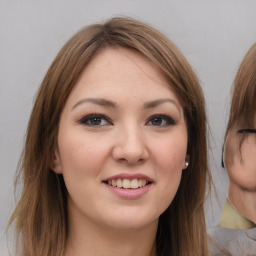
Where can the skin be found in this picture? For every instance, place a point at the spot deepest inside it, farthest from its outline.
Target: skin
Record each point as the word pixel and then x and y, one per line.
pixel 126 140
pixel 241 168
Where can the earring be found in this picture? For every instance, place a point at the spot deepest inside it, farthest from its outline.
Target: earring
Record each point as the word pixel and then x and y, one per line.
pixel 186 164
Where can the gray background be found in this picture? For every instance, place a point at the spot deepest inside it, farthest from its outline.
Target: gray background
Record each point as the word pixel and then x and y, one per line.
pixel 214 35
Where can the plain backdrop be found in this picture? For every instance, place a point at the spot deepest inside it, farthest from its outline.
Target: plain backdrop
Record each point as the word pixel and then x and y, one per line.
pixel 214 35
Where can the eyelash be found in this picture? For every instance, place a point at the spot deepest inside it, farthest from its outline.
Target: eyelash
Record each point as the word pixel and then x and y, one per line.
pixel 246 131
pixel 168 120
pixel 89 119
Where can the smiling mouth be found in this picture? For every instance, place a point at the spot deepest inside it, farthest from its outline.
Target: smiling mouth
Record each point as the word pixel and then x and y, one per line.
pixel 127 183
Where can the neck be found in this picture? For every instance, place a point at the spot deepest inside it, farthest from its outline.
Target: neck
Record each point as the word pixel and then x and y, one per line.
pixel 244 201
pixel 91 239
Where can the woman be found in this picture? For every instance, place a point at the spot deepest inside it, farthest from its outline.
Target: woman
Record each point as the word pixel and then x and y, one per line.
pixel 236 231
pixel 115 155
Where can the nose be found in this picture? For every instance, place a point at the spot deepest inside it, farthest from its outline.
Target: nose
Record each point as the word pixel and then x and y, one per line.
pixel 130 146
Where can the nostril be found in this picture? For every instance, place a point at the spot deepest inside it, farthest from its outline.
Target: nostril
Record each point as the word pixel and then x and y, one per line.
pixel 132 151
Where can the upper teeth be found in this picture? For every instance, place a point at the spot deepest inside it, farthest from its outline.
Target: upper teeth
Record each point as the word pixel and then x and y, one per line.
pixel 126 183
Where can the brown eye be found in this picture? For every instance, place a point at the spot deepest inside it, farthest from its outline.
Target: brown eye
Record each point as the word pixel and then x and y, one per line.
pixel 95 120
pixel 160 120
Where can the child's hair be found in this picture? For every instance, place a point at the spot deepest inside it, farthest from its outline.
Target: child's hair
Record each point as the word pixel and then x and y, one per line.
pixel 243 104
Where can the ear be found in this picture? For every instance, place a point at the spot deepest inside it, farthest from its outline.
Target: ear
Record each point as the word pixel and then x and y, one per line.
pixel 186 162
pixel 56 162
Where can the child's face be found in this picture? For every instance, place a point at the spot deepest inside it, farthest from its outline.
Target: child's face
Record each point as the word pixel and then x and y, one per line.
pixel 241 162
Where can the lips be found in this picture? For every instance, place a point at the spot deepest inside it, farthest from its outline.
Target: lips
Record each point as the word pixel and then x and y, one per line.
pixel 128 181
pixel 129 186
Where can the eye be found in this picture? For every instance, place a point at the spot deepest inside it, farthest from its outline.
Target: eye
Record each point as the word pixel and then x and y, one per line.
pixel 161 120
pixel 247 131
pixel 95 120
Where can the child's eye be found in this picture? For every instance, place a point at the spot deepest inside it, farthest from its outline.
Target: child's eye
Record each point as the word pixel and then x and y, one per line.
pixel 95 120
pixel 247 131
pixel 160 120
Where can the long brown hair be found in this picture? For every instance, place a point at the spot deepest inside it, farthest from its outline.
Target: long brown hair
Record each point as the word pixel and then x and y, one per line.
pixel 41 213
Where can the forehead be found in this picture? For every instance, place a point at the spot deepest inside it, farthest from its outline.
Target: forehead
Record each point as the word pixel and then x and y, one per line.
pixel 123 61
pixel 116 71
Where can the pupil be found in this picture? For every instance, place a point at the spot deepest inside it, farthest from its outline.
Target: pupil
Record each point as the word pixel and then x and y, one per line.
pixel 157 121
pixel 96 121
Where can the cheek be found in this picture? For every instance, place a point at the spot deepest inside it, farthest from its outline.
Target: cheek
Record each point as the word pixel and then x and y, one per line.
pixel 241 164
pixel 170 169
pixel 171 154
pixel 170 159
pixel 81 155
pixel 82 160
pixel 249 151
pixel 242 170
pixel 228 155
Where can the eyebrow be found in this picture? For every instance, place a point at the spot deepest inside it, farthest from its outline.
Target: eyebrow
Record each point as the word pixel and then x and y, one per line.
pixel 247 131
pixel 97 101
pixel 112 104
pixel 155 103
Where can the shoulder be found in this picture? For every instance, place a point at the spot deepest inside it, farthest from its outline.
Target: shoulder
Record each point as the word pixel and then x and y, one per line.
pixel 235 242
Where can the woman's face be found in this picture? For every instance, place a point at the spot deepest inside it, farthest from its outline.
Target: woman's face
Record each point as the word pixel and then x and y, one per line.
pixel 122 142
pixel 241 163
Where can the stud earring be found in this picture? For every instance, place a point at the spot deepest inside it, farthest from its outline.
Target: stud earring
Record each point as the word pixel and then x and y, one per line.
pixel 186 164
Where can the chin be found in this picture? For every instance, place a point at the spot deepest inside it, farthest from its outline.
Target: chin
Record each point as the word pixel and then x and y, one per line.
pixel 248 187
pixel 246 184
pixel 131 221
